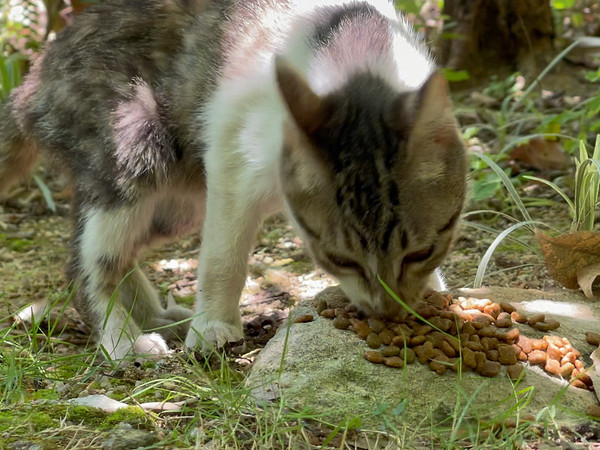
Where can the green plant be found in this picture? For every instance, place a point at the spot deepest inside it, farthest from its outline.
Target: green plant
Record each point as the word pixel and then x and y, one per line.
pixel 582 207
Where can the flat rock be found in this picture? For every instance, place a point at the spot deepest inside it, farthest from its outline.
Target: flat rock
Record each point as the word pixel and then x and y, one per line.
pixel 315 366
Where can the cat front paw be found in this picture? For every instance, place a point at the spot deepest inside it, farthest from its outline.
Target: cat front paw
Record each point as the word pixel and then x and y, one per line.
pixel 206 335
pixel 119 346
pixel 150 344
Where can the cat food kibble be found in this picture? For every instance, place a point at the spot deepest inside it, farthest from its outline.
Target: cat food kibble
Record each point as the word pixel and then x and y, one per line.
pixel 304 318
pixel 592 338
pixel 479 331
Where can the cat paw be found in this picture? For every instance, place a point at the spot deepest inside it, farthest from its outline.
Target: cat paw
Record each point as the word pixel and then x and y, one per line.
pixel 121 347
pixel 211 335
pixel 150 344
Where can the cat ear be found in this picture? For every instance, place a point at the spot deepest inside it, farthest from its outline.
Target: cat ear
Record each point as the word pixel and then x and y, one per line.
pixel 434 140
pixel 434 118
pixel 306 107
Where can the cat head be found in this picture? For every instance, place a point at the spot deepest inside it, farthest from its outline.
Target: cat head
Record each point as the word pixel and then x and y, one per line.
pixel 375 181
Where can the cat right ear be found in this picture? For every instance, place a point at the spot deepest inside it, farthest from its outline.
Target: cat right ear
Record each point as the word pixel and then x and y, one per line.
pixel 305 106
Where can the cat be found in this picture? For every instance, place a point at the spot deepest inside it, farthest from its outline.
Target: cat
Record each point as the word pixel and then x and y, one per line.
pixel 180 115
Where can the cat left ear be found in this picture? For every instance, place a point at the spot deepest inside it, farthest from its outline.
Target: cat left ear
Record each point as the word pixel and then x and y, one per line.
pixel 434 116
pixel 306 107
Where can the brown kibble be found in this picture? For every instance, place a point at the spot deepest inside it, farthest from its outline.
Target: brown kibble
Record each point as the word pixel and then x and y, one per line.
pixel 510 336
pixel 421 330
pixel 394 361
pixel 374 341
pixel 578 384
pixel 407 354
pixel 400 341
pixel 448 350
pixel 361 328
pixel 374 357
pixel 507 307
pixel 387 336
pixel 507 355
pixel 566 370
pixel 341 323
pixel 424 352
pixel 442 324
pixel 492 355
pixel 327 313
pixel 552 366
pixel 468 328
pixel 593 410
pixel 504 320
pixel 537 357
pixel 454 343
pixel 376 325
pixel 482 321
pixel 390 350
pixel 468 357
pixel 514 371
pixel 488 331
pixel 490 369
pixel 536 318
pixel 549 325
pixel 518 317
pixel 341 312
pixel 426 311
pixel 592 338
pixel 438 365
pixel 417 340
pixel 489 343
pixel 321 306
pixel 304 318
pixel 522 356
pixel 475 346
pixel 481 359
pixel 437 300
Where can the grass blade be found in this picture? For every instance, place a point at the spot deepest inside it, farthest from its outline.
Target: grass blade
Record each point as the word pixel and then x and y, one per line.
pixel 492 248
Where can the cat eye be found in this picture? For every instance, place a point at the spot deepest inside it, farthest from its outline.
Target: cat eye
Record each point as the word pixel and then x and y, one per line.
pixel 345 263
pixel 418 256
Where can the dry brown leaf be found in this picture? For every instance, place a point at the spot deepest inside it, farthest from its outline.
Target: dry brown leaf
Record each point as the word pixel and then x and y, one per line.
pixel 572 258
pixel 586 277
pixel 541 154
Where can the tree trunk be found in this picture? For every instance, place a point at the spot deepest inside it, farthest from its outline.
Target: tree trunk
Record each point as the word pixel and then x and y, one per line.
pixel 515 34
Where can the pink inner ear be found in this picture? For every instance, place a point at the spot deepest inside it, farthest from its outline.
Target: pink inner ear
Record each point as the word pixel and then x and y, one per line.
pixel 305 106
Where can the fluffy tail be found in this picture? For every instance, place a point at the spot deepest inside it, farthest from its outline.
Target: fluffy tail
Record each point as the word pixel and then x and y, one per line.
pixel 18 154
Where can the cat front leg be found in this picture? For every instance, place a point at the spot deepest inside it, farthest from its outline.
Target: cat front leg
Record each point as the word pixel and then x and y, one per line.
pixel 230 227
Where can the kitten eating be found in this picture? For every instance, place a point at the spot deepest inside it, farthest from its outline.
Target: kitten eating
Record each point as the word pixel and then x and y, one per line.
pixel 180 115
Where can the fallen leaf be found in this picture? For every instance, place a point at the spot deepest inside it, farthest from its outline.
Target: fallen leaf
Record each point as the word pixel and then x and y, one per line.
pixel 572 258
pixel 541 154
pixel 586 277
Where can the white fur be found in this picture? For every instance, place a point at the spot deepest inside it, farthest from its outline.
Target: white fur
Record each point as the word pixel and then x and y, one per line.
pixel 244 134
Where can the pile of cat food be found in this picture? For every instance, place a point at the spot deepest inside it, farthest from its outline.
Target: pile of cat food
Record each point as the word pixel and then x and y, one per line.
pixel 476 333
